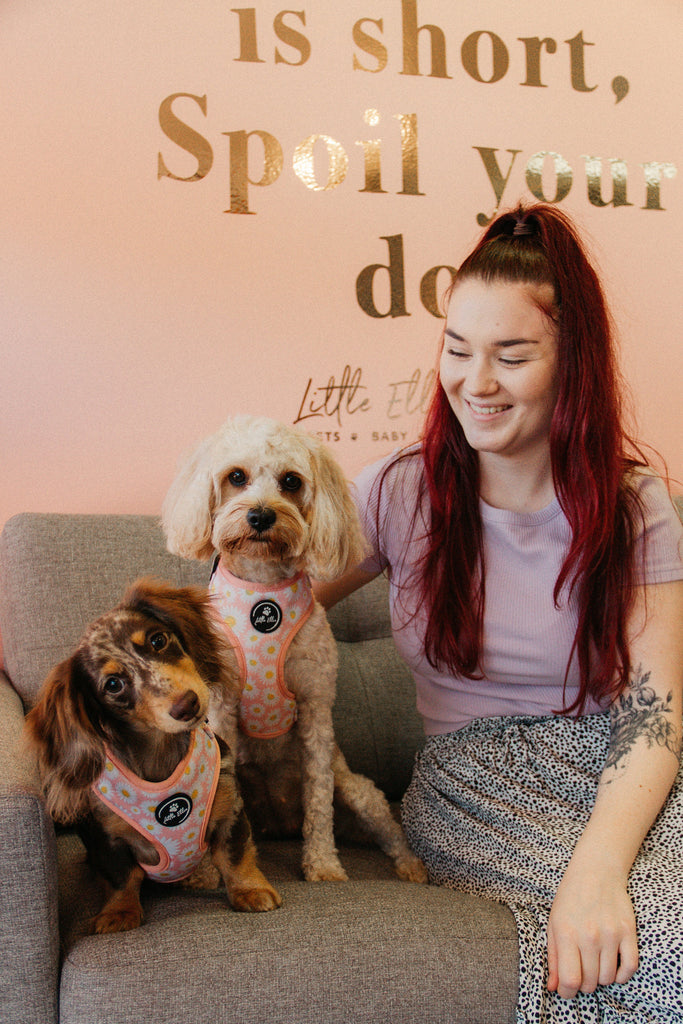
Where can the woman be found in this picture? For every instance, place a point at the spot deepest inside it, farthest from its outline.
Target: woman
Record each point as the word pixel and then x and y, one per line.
pixel 536 570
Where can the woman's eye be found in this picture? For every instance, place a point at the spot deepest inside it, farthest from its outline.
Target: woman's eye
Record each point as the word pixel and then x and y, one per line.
pixel 291 482
pixel 158 642
pixel 457 354
pixel 513 362
pixel 114 685
pixel 237 477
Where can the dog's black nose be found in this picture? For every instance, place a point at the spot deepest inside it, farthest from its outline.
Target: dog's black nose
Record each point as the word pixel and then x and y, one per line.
pixel 186 707
pixel 261 519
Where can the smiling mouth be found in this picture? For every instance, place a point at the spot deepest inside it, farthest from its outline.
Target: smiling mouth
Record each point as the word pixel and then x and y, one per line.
pixel 486 410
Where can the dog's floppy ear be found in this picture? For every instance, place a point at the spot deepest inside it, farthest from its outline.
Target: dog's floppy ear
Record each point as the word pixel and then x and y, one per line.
pixel 336 541
pixel 62 729
pixel 187 511
pixel 187 612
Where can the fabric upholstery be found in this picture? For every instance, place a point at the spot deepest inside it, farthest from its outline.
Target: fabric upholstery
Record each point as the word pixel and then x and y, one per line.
pixel 28 881
pixel 367 951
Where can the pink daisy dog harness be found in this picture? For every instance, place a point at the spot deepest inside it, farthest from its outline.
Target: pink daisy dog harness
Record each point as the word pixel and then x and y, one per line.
pixel 173 814
pixel 261 622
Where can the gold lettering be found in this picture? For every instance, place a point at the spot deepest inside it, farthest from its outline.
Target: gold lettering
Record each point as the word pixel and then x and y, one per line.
pixel 185 137
pixel 397 292
pixel 239 167
pixel 304 166
pixel 369 45
pixel 619 173
pixel 411 31
pixel 248 48
pixel 534 176
pixel 653 178
pixel 404 397
pixel 292 38
pixel 371 151
pixel 577 63
pixel 409 155
pixel 498 182
pixel 500 59
pixel 534 46
pixel 428 293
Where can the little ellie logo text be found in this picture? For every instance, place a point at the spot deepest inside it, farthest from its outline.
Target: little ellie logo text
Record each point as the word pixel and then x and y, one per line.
pixel 342 402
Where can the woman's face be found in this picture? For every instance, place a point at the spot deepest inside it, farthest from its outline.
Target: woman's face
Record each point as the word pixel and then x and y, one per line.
pixel 499 365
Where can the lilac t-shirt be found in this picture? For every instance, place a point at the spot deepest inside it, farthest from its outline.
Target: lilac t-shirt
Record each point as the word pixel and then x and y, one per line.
pixel 527 639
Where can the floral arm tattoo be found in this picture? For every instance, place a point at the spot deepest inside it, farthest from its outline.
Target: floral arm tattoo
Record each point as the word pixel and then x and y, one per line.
pixel 640 712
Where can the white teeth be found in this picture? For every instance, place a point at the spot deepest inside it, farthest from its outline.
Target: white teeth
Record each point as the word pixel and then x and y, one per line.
pixel 487 410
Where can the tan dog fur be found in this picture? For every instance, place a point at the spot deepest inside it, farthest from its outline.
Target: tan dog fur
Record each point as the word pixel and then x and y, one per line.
pixel 290 781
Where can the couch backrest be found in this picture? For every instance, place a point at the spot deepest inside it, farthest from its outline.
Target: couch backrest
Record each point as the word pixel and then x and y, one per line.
pixel 59 572
pixel 375 717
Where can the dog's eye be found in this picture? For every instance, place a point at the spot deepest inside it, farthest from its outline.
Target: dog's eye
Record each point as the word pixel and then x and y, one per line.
pixel 114 685
pixel 291 482
pixel 158 642
pixel 237 477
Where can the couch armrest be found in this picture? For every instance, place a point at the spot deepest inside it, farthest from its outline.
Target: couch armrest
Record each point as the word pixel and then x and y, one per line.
pixel 29 934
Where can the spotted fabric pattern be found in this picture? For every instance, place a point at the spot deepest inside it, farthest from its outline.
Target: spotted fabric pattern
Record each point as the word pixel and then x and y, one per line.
pixel 496 809
pixel 261 622
pixel 173 814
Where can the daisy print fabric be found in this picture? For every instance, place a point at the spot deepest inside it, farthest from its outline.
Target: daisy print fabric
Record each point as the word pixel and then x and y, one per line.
pixel 173 814
pixel 260 623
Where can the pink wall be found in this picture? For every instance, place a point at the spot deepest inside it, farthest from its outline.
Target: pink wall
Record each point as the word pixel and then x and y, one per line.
pixel 137 313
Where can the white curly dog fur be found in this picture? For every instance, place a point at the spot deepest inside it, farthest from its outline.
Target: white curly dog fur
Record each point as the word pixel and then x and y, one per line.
pixel 271 501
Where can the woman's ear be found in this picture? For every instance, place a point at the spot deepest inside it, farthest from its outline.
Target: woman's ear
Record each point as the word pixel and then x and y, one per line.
pixel 336 539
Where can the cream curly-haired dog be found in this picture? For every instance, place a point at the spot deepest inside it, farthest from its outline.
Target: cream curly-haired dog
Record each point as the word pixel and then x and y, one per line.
pixel 274 505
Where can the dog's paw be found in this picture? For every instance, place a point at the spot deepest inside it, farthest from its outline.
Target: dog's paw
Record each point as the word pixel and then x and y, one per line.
pixel 256 900
pixel 410 868
pixel 117 919
pixel 324 870
pixel 205 876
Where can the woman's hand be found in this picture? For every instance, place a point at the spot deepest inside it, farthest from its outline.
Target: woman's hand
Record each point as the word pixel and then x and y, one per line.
pixel 591 930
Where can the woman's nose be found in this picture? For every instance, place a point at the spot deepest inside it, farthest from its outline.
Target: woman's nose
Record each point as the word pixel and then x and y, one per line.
pixel 481 379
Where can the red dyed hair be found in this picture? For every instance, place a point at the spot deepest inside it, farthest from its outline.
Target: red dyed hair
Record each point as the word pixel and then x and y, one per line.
pixel 590 456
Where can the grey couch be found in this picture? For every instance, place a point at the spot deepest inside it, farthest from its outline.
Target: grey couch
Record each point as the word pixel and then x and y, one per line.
pixel 373 950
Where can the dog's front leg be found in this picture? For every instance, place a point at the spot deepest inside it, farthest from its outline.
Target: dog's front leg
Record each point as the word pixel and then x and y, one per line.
pixel 123 877
pixel 233 851
pixel 319 861
pixel 122 910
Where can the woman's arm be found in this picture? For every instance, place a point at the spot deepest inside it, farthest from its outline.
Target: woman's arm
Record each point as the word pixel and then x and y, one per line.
pixel 591 930
pixel 329 592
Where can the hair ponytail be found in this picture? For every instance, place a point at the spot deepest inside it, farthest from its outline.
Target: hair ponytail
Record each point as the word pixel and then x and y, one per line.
pixel 590 457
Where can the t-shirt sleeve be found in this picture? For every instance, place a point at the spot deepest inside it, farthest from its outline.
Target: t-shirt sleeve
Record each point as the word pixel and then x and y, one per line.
pixel 390 505
pixel 366 492
pixel 659 547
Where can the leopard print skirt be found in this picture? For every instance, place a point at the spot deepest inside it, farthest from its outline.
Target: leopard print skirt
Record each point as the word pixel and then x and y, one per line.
pixel 496 809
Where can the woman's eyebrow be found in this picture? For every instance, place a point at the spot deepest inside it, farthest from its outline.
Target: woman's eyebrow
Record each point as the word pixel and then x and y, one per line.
pixel 506 343
pixel 516 341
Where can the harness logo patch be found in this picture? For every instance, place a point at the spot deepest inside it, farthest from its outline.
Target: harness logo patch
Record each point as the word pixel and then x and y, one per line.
pixel 266 616
pixel 174 810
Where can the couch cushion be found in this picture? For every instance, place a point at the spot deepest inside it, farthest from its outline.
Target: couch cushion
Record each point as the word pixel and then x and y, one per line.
pixel 366 951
